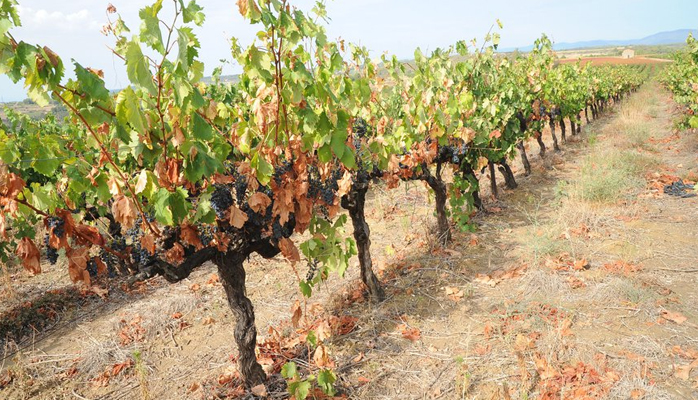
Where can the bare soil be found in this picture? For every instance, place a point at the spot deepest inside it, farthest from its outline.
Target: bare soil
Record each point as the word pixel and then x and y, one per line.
pixel 616 61
pixel 557 295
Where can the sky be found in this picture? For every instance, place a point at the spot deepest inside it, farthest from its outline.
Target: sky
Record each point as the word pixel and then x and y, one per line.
pixel 72 27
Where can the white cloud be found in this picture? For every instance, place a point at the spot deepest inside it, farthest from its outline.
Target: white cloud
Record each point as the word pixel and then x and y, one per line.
pixel 42 19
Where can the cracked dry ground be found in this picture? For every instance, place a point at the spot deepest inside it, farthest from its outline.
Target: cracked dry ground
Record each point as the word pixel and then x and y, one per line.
pixel 579 284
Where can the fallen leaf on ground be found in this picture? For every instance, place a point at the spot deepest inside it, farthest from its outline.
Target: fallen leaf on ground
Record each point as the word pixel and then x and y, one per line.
pixel 674 317
pixel 412 334
pixel 454 293
pixel 259 390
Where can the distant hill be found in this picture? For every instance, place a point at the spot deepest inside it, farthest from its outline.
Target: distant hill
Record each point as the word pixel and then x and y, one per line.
pixel 661 38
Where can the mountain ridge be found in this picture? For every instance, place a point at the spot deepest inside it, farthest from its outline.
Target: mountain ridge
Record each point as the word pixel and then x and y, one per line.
pixel 659 38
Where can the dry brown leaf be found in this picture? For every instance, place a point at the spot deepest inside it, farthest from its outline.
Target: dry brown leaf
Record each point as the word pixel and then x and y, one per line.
pixel 148 243
pixel 30 256
pixel 412 334
pixel 194 387
pixel 289 250
pixel 175 255
pixel 297 313
pixel 11 185
pixel 89 234
pixel 674 317
pixel 237 217
pixel 344 184
pixel 454 293
pixel 321 358
pixel 259 390
pixel 190 235
pixel 124 211
pixel 77 264
pixel 636 394
pixel 259 202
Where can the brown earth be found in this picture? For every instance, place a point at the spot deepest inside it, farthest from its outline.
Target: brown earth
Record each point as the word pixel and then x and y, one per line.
pixel 615 61
pixel 581 283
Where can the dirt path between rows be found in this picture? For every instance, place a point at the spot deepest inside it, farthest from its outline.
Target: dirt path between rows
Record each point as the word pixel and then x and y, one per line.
pixel 581 283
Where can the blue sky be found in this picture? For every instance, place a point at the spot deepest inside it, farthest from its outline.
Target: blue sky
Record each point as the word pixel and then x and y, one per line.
pixel 72 27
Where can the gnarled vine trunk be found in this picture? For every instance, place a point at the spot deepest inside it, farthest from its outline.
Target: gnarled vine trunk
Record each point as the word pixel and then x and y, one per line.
pixel 441 196
pixel 573 127
pixel 524 158
pixel 493 180
pixel 355 202
pixel 509 179
pixel 541 144
pixel 232 274
pixel 552 132
pixel 563 129
pixel 586 114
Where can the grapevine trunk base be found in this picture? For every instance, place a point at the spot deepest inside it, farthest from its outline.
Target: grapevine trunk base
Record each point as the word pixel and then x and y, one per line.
pixel 556 147
pixel 356 201
pixel 232 274
pixel 563 130
pixel 441 197
pixel 541 144
pixel 573 126
pixel 508 174
pixel 524 158
pixel 579 125
pixel 493 180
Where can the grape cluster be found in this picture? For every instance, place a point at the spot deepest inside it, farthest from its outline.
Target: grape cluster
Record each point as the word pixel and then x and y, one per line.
pixel 58 226
pixel 51 253
pixel 206 233
pixel 452 153
pixel 283 231
pixel 221 200
pixel 327 190
pixel 92 268
pixel 110 261
pixel 312 269
pixel 281 170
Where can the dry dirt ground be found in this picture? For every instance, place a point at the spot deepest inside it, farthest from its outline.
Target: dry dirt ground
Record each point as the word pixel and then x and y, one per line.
pixel 580 284
pixel 616 61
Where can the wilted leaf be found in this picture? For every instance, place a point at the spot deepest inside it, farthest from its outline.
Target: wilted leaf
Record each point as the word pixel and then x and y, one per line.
pixel 237 217
pixel 454 293
pixel 412 334
pixel 259 390
pixel 148 243
pixel 674 317
pixel 30 256
pixel 77 263
pixel 289 250
pixel 89 235
pixel 175 255
pixel 344 184
pixel 321 358
pixel 190 235
pixel 297 312
pixel 124 211
pixel 259 202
